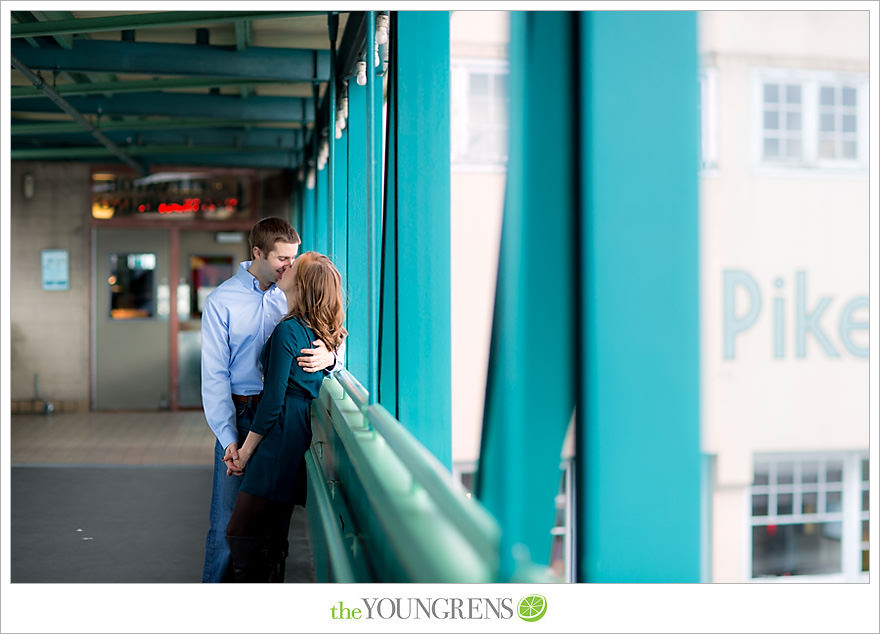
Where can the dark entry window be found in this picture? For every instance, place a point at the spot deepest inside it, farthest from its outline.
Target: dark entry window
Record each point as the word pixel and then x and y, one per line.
pixel 132 285
pixel 208 272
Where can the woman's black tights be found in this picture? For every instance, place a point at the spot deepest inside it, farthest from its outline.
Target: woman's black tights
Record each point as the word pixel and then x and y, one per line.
pixel 257 537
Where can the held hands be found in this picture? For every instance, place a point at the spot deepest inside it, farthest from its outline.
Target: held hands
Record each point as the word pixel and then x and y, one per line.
pixel 235 459
pixel 317 358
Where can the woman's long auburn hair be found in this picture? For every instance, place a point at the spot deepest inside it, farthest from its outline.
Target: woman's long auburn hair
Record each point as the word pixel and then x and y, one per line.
pixel 316 299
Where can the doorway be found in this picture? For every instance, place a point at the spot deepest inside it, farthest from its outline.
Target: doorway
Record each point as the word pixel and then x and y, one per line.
pixel 203 265
pixel 144 357
pixel 130 319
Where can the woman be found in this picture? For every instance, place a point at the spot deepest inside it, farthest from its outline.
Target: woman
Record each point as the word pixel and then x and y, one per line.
pixel 272 455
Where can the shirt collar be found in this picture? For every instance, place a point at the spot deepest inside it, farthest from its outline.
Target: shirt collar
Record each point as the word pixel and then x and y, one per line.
pixel 250 281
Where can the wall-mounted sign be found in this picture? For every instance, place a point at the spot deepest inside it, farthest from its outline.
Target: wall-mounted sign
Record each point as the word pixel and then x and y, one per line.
pixel 211 195
pixel 56 269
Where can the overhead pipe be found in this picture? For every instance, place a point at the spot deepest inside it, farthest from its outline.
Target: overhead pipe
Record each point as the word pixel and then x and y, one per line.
pixel 62 103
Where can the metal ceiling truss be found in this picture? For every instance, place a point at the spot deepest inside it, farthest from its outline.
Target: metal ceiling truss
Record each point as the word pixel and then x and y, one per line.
pixel 149 58
pixel 176 113
pixel 134 21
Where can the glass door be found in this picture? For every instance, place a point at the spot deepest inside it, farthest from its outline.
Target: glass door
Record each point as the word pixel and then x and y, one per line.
pixel 204 264
pixel 130 351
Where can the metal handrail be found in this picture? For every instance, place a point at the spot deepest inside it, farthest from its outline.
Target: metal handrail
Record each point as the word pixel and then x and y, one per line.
pixel 410 522
pixel 477 526
pixel 353 388
pixel 339 562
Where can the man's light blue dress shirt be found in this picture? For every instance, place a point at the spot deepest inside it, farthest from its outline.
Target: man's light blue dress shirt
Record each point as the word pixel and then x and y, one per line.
pixel 236 322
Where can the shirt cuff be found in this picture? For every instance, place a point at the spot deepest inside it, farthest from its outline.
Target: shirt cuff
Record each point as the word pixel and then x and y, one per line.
pixel 330 370
pixel 227 437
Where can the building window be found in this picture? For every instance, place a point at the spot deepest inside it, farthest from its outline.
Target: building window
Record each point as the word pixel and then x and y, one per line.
pixel 782 117
pixel 810 119
pixel 480 102
pixel 838 122
pixel 709 119
pixel 132 285
pixel 809 516
pixel 562 551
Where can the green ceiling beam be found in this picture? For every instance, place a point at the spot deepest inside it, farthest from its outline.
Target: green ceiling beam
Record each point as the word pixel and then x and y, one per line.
pixel 113 87
pixel 147 20
pixel 63 40
pixel 176 60
pixel 77 116
pixel 134 126
pixel 24 17
pixel 243 39
pixel 183 105
pixel 93 151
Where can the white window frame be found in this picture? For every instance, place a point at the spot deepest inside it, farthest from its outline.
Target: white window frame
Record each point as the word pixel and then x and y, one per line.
pixel 709 117
pixel 810 81
pixel 567 530
pixel 463 468
pixel 838 133
pixel 460 70
pixel 850 515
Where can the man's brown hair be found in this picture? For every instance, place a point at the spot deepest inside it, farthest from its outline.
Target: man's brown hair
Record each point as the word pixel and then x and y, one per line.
pixel 267 232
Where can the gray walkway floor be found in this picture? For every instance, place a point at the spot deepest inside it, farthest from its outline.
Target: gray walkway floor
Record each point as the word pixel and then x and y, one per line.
pixel 116 498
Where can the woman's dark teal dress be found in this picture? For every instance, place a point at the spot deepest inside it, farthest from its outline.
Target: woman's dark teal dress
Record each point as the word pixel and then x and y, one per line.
pixel 283 417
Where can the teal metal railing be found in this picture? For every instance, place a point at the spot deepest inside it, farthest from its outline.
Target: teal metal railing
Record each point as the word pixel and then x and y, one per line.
pixel 381 507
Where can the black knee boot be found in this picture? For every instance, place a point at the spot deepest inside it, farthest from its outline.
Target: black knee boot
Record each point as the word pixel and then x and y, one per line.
pixel 278 556
pixel 252 558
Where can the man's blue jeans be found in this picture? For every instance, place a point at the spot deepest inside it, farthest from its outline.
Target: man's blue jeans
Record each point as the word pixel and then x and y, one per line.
pixel 225 490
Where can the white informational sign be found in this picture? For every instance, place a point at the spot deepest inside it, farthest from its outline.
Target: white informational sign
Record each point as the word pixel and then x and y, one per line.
pixel 56 269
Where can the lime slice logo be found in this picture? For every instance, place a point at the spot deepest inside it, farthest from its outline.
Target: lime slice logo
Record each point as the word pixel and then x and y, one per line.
pixel 532 608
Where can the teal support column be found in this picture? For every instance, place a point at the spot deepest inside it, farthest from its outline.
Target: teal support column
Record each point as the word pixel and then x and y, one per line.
pixel 530 402
pixel 357 282
pixel 308 211
pixel 422 237
pixel 314 151
pixel 332 30
pixel 638 445
pixel 389 361
pixel 295 209
pixel 373 223
pixel 320 241
pixel 339 220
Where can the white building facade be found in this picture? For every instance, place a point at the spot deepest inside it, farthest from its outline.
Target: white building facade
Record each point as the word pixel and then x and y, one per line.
pixel 784 213
pixel 784 281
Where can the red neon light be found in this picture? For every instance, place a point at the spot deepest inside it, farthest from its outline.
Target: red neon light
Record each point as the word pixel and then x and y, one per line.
pixel 189 205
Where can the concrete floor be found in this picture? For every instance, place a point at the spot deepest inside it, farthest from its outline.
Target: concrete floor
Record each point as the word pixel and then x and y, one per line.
pixel 117 497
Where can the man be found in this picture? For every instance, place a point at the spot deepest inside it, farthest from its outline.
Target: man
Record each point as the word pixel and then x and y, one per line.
pixel 238 317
